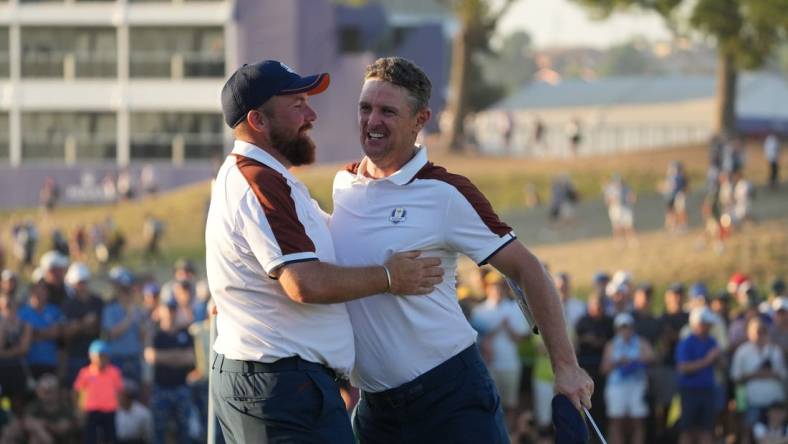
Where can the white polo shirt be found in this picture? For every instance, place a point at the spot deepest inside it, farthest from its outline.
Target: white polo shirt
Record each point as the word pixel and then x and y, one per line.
pixel 261 217
pixel 420 207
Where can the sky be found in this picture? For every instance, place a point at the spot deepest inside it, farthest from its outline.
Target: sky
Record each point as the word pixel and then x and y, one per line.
pixel 554 23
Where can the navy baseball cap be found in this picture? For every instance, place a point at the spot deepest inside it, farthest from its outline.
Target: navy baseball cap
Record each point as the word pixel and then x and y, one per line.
pixel 252 85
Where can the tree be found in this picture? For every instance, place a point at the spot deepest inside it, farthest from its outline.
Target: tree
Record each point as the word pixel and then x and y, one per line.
pixel 744 31
pixel 511 65
pixel 626 60
pixel 477 21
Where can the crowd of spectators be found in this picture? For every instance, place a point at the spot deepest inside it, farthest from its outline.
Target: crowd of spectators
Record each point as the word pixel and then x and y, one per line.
pixel 102 354
pixel 693 366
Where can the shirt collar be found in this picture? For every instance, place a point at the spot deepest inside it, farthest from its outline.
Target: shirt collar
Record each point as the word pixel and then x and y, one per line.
pixel 405 174
pixel 253 151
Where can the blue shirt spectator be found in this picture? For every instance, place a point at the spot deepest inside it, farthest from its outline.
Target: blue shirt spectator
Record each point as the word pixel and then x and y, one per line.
pixel 693 348
pixel 128 341
pixel 42 351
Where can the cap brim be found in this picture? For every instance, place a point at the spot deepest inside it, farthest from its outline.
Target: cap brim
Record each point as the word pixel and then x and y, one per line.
pixel 310 84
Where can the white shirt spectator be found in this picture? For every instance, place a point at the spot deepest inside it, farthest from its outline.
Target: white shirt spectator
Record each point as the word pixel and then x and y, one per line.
pixel 489 317
pixel 748 358
pixel 771 148
pixel 574 309
pixel 136 423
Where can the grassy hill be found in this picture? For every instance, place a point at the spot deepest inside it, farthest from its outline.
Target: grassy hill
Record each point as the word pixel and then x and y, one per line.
pixel 761 250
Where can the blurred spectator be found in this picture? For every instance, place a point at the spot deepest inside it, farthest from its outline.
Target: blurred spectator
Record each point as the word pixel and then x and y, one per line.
pixel 773 429
pixel 734 155
pixel 721 306
pixel 121 323
pixel 665 378
pixel 98 237
pixel 53 265
pixel 59 242
pixel 735 200
pixel 133 421
pixel 125 185
pixel 624 362
pixel 25 239
pixel 25 430
pixel 619 292
pixel 592 332
pixel 675 188
pixel 15 338
pixel 502 325
pixel 79 244
pixel 54 414
pixel 737 332
pixel 9 283
pixel 619 199
pixel 777 290
pixel 152 232
pixel 108 187
pixel 171 354
pixel 97 387
pixel 184 301
pixel 574 134
pixel 646 325
pixel 600 281
pixel 574 308
pixel 759 366
pixel 46 319
pixel 563 197
pixel 82 311
pixel 771 151
pixel 49 195
pixel 148 179
pixel 695 358
pixel 779 333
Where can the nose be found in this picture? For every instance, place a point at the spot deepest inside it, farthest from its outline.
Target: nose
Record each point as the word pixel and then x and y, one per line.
pixel 373 118
pixel 309 114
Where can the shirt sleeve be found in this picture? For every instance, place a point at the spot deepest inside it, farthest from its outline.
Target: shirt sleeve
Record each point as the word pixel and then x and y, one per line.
pixel 778 361
pixel 79 383
pixel 736 366
pixel 472 227
pixel 268 218
pixel 682 354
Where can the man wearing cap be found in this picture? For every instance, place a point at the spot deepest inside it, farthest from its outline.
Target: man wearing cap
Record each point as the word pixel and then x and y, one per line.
pixel 695 358
pixel 46 319
pixel 122 322
pixel 82 312
pixel 418 366
pixel 53 265
pixel 283 331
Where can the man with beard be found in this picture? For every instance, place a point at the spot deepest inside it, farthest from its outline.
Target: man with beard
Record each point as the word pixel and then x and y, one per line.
pixel 418 366
pixel 284 335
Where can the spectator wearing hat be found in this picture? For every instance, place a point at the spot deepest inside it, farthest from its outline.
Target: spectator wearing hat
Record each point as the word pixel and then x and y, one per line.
pixel 777 290
pixel 47 322
pixel 133 420
pixel 15 338
pixel 624 362
pixel 720 304
pixel 647 326
pixel 695 358
pixel 97 387
pixel 82 311
pixel 53 413
pixel 500 321
pixel 592 333
pixel 53 265
pixel 171 354
pixel 25 239
pixel 121 322
pixel 759 366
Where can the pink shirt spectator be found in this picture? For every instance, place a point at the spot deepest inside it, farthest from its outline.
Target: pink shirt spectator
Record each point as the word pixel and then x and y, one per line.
pixel 99 388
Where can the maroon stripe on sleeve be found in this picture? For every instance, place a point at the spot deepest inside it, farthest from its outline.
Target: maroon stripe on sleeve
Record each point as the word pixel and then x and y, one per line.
pixel 471 194
pixel 352 167
pixel 273 193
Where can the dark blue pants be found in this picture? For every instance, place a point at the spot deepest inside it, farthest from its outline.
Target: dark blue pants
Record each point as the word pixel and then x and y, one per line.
pixel 99 428
pixel 456 402
pixel 171 403
pixel 288 401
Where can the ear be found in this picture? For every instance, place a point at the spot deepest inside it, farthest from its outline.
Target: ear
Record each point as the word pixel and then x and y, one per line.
pixel 256 120
pixel 422 117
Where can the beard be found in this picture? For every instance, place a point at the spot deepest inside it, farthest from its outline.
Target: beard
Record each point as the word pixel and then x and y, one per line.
pixel 298 149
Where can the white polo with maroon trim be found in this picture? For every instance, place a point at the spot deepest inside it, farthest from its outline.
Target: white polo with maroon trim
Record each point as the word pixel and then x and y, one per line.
pixel 420 207
pixel 261 218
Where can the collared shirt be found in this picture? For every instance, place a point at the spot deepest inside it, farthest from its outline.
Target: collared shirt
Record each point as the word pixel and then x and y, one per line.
pixel 489 316
pixel 261 217
pixel 420 207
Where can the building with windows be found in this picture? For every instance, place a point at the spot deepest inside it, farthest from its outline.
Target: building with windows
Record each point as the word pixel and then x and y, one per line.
pixel 90 88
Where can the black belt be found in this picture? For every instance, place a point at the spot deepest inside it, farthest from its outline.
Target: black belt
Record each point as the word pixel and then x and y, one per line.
pixel 410 391
pixel 282 365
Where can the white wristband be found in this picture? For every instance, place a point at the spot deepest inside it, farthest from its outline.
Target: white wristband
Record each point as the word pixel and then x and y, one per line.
pixel 388 277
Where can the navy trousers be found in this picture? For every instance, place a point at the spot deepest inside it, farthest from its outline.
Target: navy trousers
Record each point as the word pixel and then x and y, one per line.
pixel 288 401
pixel 455 402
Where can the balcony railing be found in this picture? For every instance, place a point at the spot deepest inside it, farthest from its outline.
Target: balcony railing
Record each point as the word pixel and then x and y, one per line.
pixel 69 65
pixel 68 147
pixel 176 65
pixel 175 146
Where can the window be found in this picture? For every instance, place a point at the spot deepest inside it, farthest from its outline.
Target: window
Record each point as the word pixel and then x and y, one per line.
pixel 177 52
pixel 4 138
pixel 69 52
pixel 68 136
pixel 184 136
pixel 350 39
pixel 5 61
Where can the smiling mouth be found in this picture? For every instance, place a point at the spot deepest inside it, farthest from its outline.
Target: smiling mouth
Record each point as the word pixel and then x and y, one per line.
pixel 372 135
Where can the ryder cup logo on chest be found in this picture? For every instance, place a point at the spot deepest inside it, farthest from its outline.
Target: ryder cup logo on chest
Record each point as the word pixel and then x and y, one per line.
pixel 398 215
